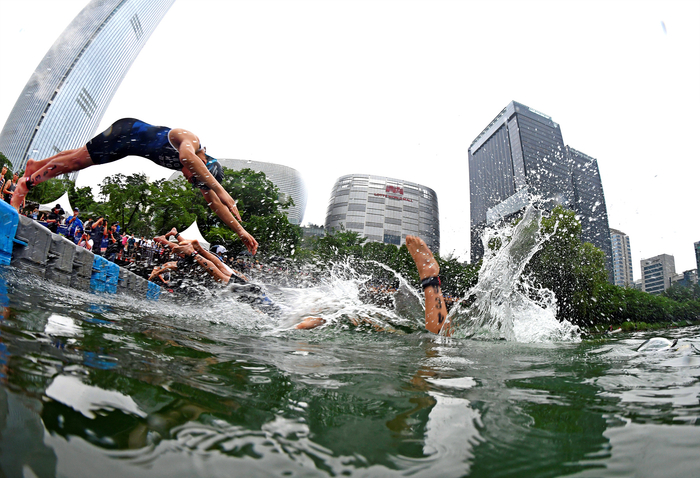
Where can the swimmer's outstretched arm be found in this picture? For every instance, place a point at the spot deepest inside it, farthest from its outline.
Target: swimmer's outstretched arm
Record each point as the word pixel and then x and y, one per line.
pixel 225 215
pixel 435 307
pixel 168 266
pixel 188 144
pixel 188 250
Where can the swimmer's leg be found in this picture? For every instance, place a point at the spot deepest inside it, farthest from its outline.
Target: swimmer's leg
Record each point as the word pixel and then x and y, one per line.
pixel 310 323
pixel 39 171
pixel 435 307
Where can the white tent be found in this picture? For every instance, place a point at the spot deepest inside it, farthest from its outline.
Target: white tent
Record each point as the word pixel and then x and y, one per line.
pixel 63 201
pixel 192 232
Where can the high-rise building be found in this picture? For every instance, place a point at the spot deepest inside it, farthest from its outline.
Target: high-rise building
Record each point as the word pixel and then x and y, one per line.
pixel 288 181
pixel 64 100
pixel 657 272
pixel 621 258
pixel 384 209
pixel 520 154
pixel 589 202
pixel 697 255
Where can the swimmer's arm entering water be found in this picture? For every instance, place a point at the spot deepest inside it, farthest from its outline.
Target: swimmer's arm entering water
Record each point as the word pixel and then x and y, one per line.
pixel 428 269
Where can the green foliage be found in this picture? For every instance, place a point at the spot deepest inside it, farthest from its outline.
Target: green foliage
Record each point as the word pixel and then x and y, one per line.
pixel 175 204
pixel 575 272
pixel 50 190
pixel 457 278
pixel 4 161
pixel 339 246
pixel 126 200
pixel 258 201
pixel 680 293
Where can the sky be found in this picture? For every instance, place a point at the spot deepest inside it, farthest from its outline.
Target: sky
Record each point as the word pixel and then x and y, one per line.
pixel 402 88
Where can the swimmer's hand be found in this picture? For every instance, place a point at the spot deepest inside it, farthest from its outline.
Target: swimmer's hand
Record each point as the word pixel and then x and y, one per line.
pixel 248 241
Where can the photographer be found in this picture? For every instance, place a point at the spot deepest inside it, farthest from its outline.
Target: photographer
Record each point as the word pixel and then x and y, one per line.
pixel 55 218
pixel 115 242
pixel 98 230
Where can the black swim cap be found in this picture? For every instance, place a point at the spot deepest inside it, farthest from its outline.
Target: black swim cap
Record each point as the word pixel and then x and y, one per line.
pixel 214 168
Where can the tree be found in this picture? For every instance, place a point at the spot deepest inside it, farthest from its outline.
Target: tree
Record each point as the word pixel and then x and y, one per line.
pixel 83 199
pixel 126 199
pixel 51 190
pixel 175 204
pixel 262 210
pixel 574 271
pixel 339 245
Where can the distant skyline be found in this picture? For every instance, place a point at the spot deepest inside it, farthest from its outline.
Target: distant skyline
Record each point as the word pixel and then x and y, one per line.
pixel 400 89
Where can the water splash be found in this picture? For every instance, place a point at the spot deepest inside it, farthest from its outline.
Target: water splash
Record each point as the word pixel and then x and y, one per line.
pixel 503 304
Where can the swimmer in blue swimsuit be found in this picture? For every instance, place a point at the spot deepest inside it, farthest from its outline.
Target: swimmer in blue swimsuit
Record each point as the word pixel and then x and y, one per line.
pixel 174 148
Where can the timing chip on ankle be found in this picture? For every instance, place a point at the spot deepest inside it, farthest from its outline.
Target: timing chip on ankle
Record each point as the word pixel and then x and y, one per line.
pixel 430 281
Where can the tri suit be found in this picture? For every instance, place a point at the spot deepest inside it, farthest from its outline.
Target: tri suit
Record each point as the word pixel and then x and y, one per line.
pixel 132 137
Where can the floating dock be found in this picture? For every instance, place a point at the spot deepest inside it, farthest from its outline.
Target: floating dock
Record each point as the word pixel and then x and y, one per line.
pixel 27 245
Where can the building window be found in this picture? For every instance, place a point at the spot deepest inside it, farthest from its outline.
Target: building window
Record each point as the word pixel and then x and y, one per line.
pixel 392 239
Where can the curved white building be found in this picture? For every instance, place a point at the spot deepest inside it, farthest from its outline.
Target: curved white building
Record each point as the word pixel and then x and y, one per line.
pixel 384 209
pixel 65 98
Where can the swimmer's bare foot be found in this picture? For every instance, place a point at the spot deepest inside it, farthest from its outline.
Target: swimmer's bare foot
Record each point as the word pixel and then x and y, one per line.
pixel 173 232
pixel 30 168
pixel 425 262
pixel 161 239
pixel 310 323
pixel 21 191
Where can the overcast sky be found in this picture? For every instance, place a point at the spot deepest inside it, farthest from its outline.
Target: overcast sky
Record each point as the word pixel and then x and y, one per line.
pixel 401 89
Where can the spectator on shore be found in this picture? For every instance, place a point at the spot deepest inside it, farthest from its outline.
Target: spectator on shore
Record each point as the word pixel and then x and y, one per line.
pixel 98 230
pixel 2 182
pixel 85 241
pixel 75 226
pixel 114 242
pixel 54 218
pixel 9 188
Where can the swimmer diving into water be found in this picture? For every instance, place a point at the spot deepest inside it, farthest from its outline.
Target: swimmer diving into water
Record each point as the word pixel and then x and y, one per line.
pixel 190 250
pixel 174 148
pixel 428 272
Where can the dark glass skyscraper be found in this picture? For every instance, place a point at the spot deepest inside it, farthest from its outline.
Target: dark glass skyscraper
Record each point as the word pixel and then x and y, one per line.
pixel 62 104
pixel 522 153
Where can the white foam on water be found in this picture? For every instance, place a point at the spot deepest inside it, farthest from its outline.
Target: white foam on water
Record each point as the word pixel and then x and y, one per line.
pixel 504 304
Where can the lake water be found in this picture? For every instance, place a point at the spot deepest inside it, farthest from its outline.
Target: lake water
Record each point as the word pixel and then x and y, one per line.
pixel 113 386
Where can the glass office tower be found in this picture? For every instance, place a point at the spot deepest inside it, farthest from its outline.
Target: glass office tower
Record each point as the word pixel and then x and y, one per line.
pixel 520 154
pixel 589 204
pixel 384 209
pixel 64 100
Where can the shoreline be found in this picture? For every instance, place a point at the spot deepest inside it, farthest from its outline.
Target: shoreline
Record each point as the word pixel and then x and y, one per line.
pixel 640 326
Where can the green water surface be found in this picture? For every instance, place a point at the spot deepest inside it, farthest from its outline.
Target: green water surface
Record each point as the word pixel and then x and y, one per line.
pixel 116 387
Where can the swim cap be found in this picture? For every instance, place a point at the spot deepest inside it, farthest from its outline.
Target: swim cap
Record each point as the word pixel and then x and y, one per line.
pixel 214 168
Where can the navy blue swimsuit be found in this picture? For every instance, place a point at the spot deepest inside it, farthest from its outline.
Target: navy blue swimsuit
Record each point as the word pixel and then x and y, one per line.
pixel 132 137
